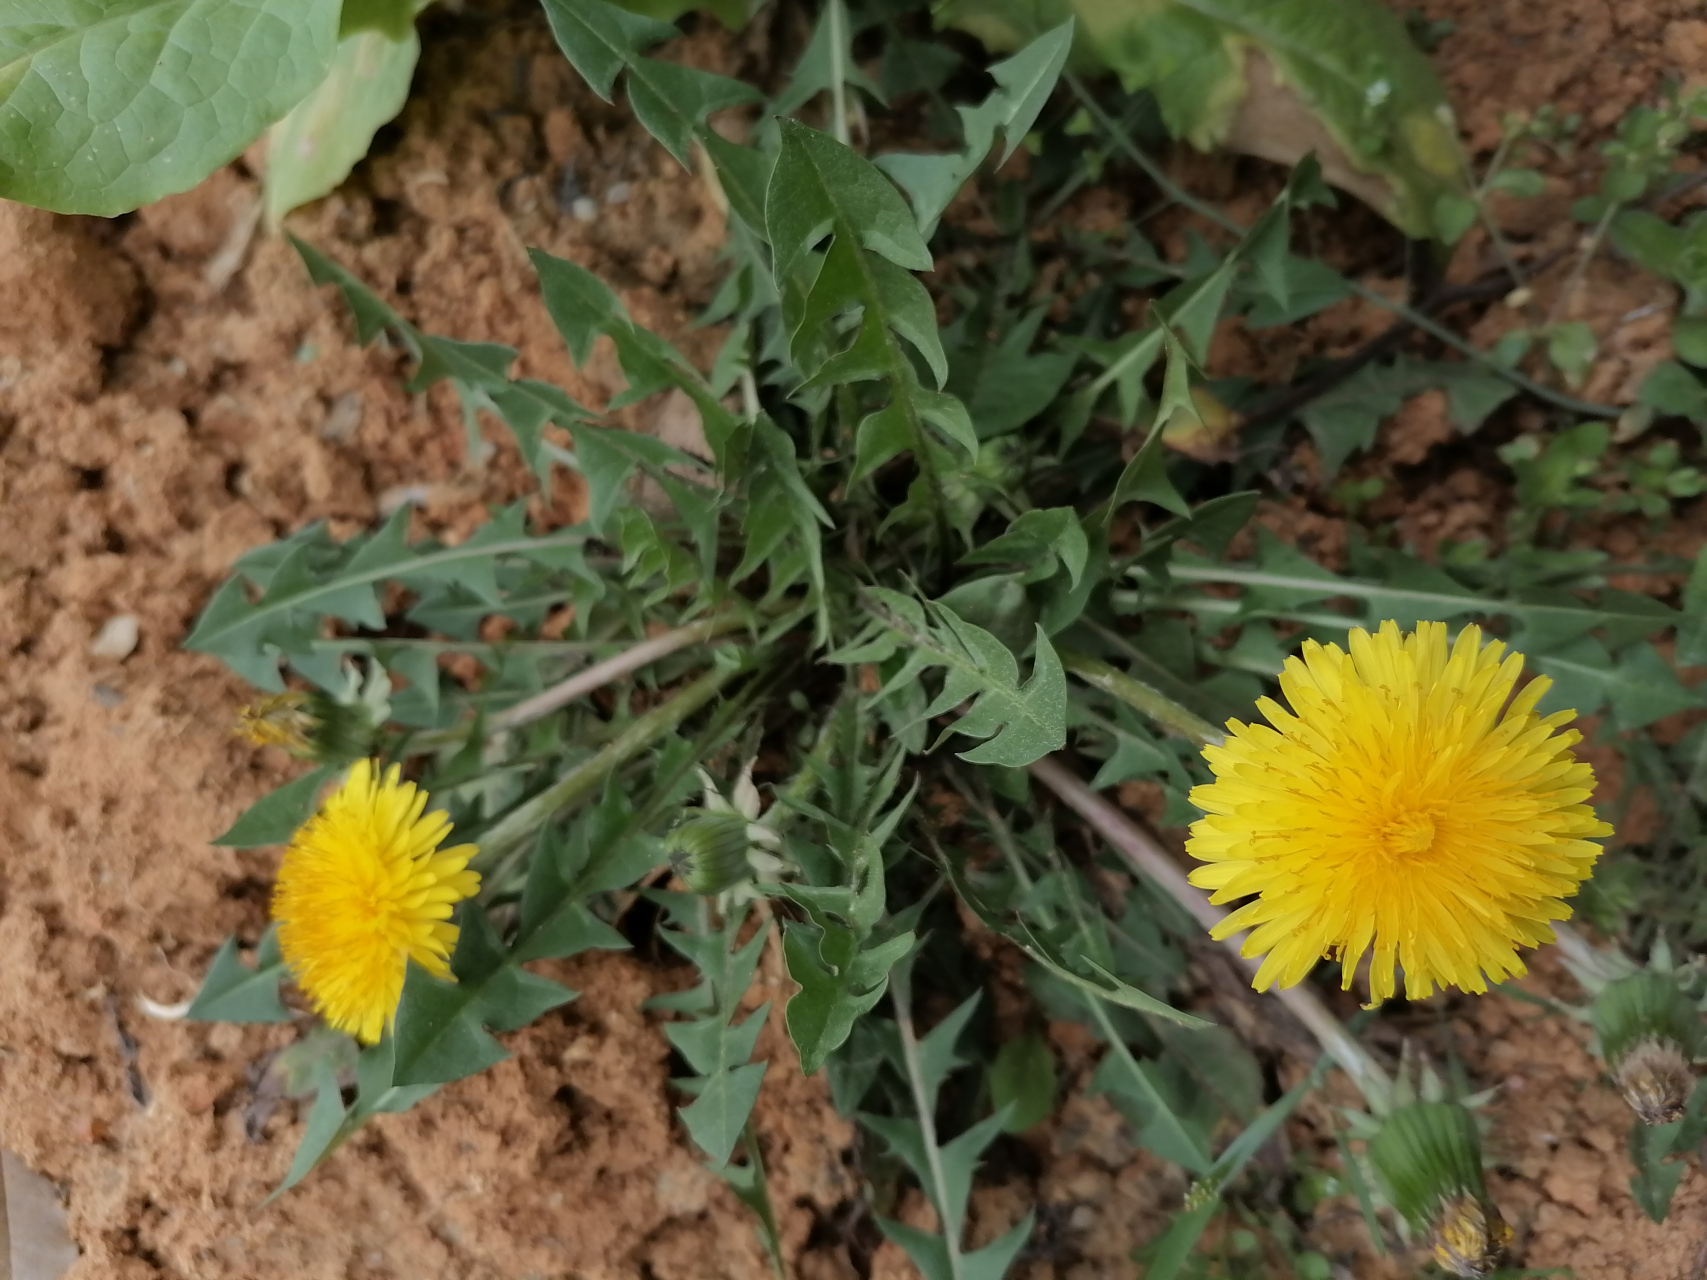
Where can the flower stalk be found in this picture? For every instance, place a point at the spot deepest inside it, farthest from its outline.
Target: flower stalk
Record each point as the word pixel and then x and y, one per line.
pixel 1145 855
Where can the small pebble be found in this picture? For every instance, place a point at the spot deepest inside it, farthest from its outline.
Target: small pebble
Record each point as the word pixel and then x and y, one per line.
pixel 618 193
pixel 107 696
pixel 404 494
pixel 344 419
pixel 116 639
pixel 584 209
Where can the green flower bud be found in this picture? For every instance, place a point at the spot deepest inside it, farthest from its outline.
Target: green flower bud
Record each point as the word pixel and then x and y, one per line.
pixel 1649 1034
pixel 1428 1156
pixel 709 852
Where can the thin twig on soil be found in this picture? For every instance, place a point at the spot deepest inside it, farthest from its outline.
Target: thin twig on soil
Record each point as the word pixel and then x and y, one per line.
pixel 1144 854
pixel 613 668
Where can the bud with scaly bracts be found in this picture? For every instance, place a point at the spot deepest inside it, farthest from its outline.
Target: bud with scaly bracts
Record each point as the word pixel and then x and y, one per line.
pixel 1428 1156
pixel 309 725
pixel 709 852
pixel 1650 1035
pixel 719 848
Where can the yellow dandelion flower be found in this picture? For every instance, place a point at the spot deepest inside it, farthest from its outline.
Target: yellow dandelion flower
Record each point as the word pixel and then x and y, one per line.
pixel 1400 805
pixel 363 889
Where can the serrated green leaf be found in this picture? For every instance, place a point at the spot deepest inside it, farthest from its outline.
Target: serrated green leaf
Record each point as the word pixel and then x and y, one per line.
pixel 234 992
pixel 1167 1257
pixel 438 1036
pixel 1021 722
pixel 325 1125
pixel 819 185
pixel 1022 1080
pixel 478 370
pixel 1353 67
pixel 1023 85
pixel 821 1014
pixel 715 1118
pixel 108 104
pixel 316 578
pixel 1639 687
pixel 670 100
pixel 275 817
pixel 313 149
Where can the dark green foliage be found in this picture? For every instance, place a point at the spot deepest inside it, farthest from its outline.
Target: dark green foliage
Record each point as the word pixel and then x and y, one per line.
pixel 932 536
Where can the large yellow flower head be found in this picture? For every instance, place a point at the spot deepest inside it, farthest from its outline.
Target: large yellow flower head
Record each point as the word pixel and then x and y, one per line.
pixel 363 890
pixel 1403 806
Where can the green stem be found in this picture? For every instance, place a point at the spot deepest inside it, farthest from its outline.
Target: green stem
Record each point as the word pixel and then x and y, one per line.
pixel 837 15
pixel 1140 697
pixel 586 778
pixel 901 996
pixel 1159 176
pixel 1145 855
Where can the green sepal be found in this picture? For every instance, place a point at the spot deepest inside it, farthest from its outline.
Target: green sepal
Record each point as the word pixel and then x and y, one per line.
pixel 1646 1005
pixel 709 852
pixel 1427 1153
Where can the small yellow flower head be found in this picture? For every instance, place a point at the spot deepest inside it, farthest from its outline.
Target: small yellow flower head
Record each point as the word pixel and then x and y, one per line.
pixel 364 889
pixel 1401 806
pixel 1469 1238
pixel 278 720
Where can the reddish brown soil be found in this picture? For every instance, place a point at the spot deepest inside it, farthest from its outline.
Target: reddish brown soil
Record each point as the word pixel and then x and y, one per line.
pixel 171 395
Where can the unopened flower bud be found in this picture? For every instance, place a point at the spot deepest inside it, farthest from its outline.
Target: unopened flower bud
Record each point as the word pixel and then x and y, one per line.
pixel 1428 1156
pixel 1650 1035
pixel 310 726
pixel 709 851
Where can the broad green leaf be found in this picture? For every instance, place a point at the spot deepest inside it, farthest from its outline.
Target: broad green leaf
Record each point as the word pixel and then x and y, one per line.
pixel 441 1027
pixel 108 104
pixel 275 817
pixel 325 135
pixel 233 992
pixel 438 1036
pixel 393 18
pixel 1672 389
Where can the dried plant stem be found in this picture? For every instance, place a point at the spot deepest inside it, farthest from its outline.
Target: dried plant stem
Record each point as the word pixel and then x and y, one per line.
pixel 613 668
pixel 1145 855
pixel 586 778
